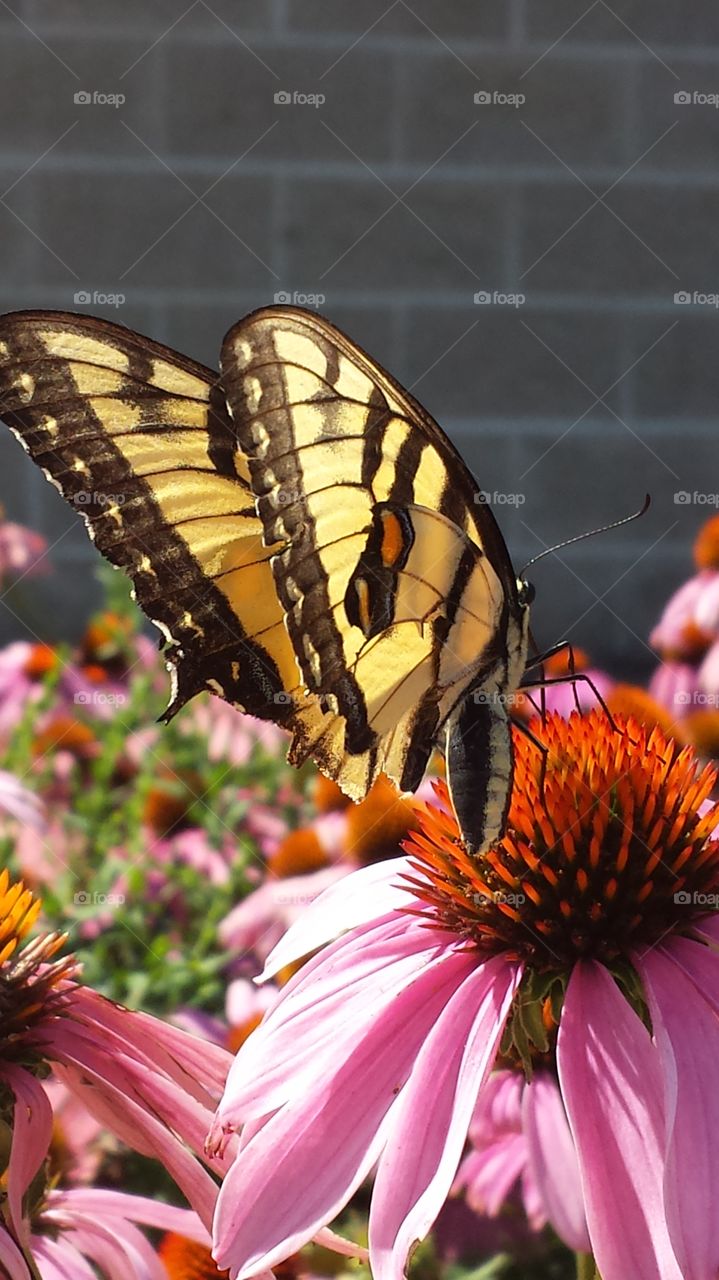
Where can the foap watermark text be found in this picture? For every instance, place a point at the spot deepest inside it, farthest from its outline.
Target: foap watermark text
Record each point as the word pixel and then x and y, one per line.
pixel 296 98
pixel 496 298
pixel 96 98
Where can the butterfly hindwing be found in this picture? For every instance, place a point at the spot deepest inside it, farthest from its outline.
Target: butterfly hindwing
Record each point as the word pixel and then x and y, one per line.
pixel 137 438
pixel 394 581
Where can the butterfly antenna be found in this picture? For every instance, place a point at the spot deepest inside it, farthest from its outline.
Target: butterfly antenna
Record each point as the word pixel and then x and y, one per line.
pixel 568 542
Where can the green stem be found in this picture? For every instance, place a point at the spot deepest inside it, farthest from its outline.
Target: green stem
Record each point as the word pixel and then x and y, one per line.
pixel 586 1267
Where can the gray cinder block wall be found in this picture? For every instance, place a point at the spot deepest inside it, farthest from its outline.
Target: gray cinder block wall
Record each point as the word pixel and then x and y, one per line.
pixel 509 204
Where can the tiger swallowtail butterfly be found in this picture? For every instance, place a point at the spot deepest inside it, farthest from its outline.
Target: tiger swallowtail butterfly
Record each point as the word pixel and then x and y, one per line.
pixel 309 542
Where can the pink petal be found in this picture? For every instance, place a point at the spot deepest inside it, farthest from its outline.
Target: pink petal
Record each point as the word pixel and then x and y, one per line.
pixel 104 1090
pixel 11 1257
pixel 59 1260
pixel 32 1132
pixel 611 1082
pixel 324 1007
pixel 103 1204
pixel 687 1036
pixel 354 900
pixel 488 1175
pixel 347 1248
pixel 553 1160
pixel 430 1121
pixel 300 1168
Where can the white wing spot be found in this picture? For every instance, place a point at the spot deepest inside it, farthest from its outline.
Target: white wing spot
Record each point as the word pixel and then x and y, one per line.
pixel 261 438
pixel 243 353
pixel 26 386
pixel 252 388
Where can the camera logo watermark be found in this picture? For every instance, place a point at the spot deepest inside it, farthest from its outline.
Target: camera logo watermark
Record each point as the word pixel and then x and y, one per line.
pixel 495 298
pixel 682 498
pixel 499 499
pixel 96 698
pixel 295 298
pixel 87 498
pixel 95 98
pixel 86 298
pixel 696 98
pixel 683 298
pixel 497 98
pixel 695 698
pixel 494 698
pixel 295 98
pixel 683 898
pixel 83 898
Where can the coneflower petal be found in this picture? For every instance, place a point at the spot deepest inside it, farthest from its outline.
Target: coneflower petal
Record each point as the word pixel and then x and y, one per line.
pixel 12 1259
pixel 32 1130
pixel 611 1082
pixel 299 1169
pixel 324 1017
pixel 432 1115
pixel 687 1036
pixel 553 1160
pixel 353 901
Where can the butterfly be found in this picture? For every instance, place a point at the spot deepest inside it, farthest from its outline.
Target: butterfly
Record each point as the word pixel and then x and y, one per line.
pixel 309 542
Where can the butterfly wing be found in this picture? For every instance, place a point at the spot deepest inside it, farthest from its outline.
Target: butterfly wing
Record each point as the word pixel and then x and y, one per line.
pixel 138 440
pixel 394 579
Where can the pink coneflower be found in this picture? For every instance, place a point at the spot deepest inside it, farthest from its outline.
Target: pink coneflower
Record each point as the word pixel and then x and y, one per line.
pixel 151 1084
pixel 570 695
pixel 232 736
pixel 687 640
pixel 519 1134
pixel 19 803
pixel 585 926
pixel 22 551
pixel 72 1229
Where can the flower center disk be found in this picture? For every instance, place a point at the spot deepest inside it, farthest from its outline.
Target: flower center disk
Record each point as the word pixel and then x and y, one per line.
pixel 608 847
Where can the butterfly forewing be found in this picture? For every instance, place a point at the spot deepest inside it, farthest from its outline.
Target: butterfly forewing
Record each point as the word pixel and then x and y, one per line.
pixel 138 440
pixel 335 446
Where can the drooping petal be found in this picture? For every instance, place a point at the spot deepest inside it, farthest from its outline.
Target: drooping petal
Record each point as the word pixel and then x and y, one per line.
pixel 324 1009
pixel 431 1118
pixel 354 900
pixel 687 1035
pixel 300 1168
pixel 338 1244
pixel 32 1131
pixel 487 1175
pixel 103 1204
pixel 553 1160
pixel 103 1087
pixel 11 1257
pixel 611 1082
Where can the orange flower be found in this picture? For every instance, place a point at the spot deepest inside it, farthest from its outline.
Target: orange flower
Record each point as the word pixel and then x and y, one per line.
pixel 185 1260
pixel 378 823
pixel 169 801
pixel 706 546
pixel 65 733
pixel 41 660
pixel 298 853
pixel 630 700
